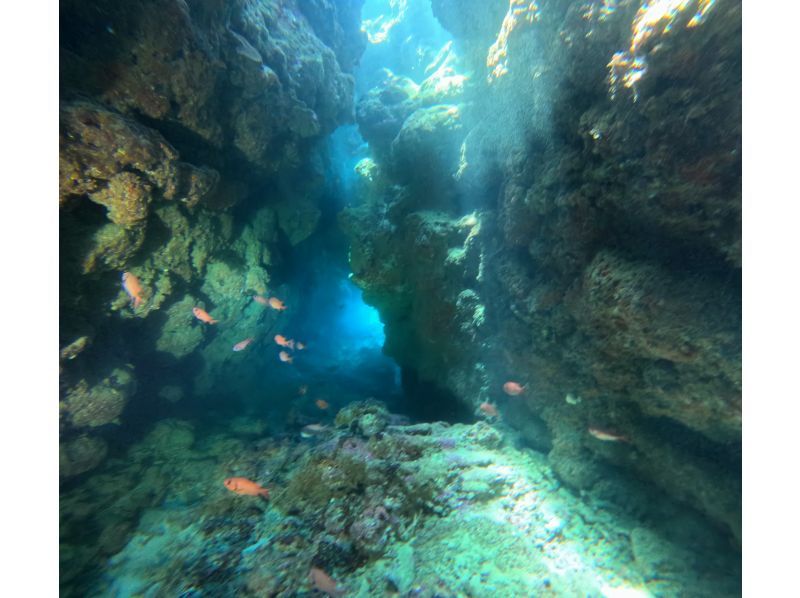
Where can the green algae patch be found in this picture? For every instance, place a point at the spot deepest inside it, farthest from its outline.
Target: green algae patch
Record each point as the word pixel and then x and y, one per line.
pixel 180 334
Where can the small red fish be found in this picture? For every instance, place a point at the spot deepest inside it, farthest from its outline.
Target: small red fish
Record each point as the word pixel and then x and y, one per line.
pixel 513 388
pixel 607 436
pixel 489 409
pixel 285 357
pixel 321 403
pixel 245 486
pixel 242 345
pixel 262 300
pixel 203 315
pixel 283 341
pixel 276 303
pixel 324 582
pixel 133 287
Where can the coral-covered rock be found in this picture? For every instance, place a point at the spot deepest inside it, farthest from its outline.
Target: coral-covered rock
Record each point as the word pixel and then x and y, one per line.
pixel 603 156
pixel 179 335
pixel 426 148
pixel 122 165
pixel 366 418
pixel 171 393
pixel 163 131
pixel 80 454
pixel 92 405
pixel 298 218
pixel 383 109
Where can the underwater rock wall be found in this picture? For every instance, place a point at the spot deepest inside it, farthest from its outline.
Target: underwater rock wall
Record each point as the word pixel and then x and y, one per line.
pixel 188 154
pixel 572 222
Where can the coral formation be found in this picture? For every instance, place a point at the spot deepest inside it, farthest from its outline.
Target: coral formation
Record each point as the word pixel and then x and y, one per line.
pixel 98 404
pixel 163 134
pixel 80 454
pixel 605 261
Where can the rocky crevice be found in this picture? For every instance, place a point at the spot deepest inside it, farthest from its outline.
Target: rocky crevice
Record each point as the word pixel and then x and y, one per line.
pixel 575 225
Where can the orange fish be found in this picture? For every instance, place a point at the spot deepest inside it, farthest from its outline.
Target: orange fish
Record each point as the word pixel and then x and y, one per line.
pixel 489 409
pixel 276 303
pixel 324 582
pixel 607 436
pixel 245 486
pixel 283 341
pixel 134 289
pixel 299 346
pixel 285 357
pixel 303 389
pixel 321 403
pixel 261 300
pixel 513 388
pixel 203 315
pixel 242 345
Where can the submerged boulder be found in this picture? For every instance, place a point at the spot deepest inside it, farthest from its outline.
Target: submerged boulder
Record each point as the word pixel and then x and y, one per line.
pixel 101 403
pixel 80 455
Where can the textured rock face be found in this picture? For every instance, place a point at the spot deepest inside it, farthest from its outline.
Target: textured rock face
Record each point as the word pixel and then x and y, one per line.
pixel 100 403
pixel 208 69
pixel 173 113
pixel 601 266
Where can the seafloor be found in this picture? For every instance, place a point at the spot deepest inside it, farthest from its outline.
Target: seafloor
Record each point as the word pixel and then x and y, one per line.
pixel 397 510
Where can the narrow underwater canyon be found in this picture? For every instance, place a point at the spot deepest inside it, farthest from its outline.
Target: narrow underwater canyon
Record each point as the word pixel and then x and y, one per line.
pixel 457 281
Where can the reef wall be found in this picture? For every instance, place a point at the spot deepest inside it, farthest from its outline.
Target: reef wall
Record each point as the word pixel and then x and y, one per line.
pixel 189 157
pixel 559 203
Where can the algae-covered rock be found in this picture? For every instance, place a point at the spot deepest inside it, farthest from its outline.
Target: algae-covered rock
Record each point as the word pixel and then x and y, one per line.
pixel 179 335
pixel 80 454
pixel 163 130
pixel 114 160
pixel 298 218
pixel 254 245
pixel 171 393
pixel 383 109
pixel 122 165
pixel 223 282
pixel 92 405
pixel 111 247
pixel 75 348
pixel 187 242
pixel 167 437
pixel 364 417
pixel 426 148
